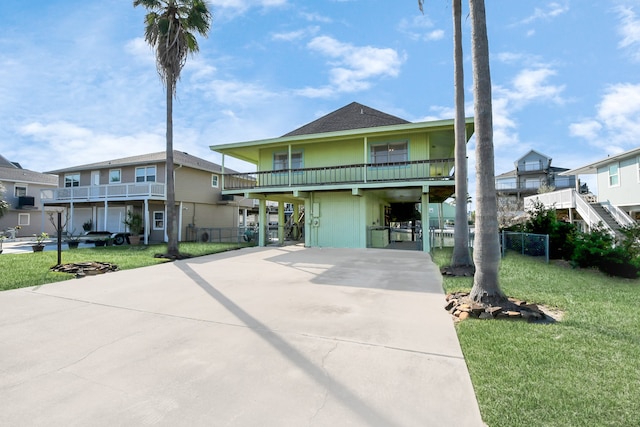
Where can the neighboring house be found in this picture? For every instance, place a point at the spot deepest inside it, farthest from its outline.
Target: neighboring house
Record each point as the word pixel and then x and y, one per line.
pixel 354 171
pixel 102 193
pixel 532 171
pixel 22 193
pixel 618 200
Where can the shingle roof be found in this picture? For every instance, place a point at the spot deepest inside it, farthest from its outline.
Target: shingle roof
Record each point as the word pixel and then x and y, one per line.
pixel 352 116
pixel 179 158
pixel 15 174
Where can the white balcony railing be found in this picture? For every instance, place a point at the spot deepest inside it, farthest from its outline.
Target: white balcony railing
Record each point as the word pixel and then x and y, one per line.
pixel 132 191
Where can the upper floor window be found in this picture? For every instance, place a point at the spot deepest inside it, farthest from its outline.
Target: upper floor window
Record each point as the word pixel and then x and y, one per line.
pixel 20 191
pixel 146 174
pixel 72 180
pixel 281 161
pixel 115 176
pixel 533 165
pixel 614 176
pixel 393 152
pixel 214 180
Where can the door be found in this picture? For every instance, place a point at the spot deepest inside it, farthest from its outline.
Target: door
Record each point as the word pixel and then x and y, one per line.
pixel 95 183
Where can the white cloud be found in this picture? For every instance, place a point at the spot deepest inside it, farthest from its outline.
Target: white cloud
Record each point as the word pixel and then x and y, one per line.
pixel 617 122
pixel 550 11
pixel 629 30
pixel 528 86
pixel 353 67
pixel 295 35
pixel 420 27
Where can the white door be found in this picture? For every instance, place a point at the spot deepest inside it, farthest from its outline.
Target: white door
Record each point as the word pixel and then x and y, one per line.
pixel 95 183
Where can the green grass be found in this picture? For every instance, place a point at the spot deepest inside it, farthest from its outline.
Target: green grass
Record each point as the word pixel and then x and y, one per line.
pixel 581 371
pixel 32 269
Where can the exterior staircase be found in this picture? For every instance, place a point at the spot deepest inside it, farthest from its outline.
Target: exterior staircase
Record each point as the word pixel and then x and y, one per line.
pixel 608 221
pixel 593 214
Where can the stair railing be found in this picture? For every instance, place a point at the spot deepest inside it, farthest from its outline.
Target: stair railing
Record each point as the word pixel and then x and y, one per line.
pixel 618 214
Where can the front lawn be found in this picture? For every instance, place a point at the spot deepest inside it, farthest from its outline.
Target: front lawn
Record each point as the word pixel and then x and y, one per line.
pixel 31 269
pixel 581 371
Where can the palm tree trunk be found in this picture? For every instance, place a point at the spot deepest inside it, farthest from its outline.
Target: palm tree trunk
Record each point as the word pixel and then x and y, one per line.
pixel 172 244
pixel 486 252
pixel 461 255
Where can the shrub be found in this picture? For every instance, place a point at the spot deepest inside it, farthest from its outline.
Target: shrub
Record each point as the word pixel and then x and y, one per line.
pixel 598 249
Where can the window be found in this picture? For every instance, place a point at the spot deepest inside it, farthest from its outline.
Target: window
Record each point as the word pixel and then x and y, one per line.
pixel 20 191
pixel 115 176
pixel 24 219
pixel 72 180
pixel 214 181
pixel 281 161
pixel 638 164
pixel 393 152
pixel 146 174
pixel 614 177
pixel 158 220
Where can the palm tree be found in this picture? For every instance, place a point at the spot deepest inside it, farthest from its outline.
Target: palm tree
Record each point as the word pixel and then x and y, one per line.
pixel 461 255
pixel 169 30
pixel 486 254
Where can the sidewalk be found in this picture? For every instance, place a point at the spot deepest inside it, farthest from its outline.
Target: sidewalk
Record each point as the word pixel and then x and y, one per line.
pixel 283 336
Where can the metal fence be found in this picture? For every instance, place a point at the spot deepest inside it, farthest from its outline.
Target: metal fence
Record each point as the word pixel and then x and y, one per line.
pixel 536 245
pixel 222 234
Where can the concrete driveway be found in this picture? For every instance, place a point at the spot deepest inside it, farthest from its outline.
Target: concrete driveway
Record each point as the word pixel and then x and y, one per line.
pixel 257 337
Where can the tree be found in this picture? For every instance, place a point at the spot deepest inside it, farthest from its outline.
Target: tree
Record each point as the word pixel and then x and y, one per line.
pixel 4 205
pixel 461 255
pixel 486 254
pixel 169 30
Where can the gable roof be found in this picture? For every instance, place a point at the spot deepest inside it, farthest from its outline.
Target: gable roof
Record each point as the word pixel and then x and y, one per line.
pixel 592 168
pixel 352 116
pixel 179 158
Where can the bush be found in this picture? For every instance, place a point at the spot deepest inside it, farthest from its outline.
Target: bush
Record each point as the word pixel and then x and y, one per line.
pixel 597 249
pixel 561 234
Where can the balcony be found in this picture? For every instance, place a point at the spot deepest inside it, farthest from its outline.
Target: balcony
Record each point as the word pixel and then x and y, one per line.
pixel 95 193
pixel 421 170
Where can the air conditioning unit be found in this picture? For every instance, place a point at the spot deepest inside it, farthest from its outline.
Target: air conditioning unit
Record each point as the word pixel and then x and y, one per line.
pixel 26 202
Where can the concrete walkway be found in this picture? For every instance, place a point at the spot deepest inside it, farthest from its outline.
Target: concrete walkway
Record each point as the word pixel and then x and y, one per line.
pixel 257 337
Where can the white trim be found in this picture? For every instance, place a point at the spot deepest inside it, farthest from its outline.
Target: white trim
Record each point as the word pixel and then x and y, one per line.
pixel 153 219
pixel 23 215
pixel 217 177
pixel 119 181
pixel 617 175
pixel 16 186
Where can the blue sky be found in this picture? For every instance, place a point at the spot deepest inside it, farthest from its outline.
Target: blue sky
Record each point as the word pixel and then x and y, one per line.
pixel 78 83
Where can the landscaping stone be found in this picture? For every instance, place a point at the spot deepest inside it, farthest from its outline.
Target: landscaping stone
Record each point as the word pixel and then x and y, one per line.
pixel 82 269
pixel 462 307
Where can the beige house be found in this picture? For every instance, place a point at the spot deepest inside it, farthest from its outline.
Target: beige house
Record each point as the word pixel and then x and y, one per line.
pixel 97 196
pixel 22 193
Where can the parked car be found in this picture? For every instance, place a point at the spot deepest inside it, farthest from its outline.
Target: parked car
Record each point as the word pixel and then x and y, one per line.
pixel 118 238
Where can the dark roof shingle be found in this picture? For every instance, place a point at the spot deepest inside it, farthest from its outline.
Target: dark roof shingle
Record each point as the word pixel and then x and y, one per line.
pixel 352 116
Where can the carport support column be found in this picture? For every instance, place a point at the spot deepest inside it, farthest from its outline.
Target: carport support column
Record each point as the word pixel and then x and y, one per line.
pixel 281 223
pixel 426 247
pixel 262 221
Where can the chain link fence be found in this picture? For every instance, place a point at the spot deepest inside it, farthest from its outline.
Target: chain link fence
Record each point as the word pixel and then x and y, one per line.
pixel 536 245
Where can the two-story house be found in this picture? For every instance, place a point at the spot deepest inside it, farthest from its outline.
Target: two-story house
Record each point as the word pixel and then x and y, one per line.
pixel 618 193
pixel 22 193
pixel 101 194
pixel 352 171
